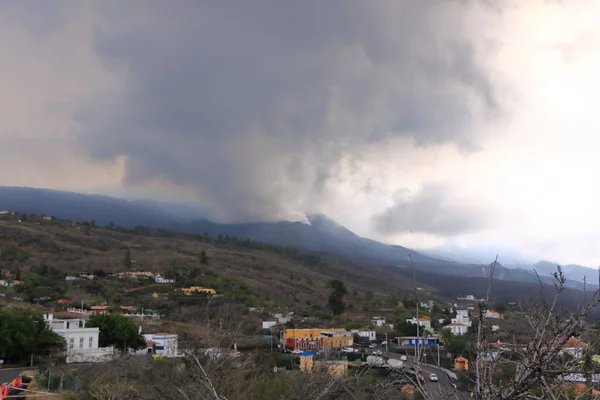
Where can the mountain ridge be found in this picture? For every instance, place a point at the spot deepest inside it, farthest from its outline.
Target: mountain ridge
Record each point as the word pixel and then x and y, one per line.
pixel 318 234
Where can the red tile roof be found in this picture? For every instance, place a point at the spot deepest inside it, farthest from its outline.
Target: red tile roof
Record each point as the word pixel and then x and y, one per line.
pixel 574 343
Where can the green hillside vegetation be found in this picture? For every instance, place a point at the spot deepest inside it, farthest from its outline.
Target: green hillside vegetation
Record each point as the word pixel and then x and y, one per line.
pixel 41 253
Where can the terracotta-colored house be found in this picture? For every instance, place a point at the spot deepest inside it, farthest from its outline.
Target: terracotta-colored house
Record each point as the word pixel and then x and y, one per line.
pixel 409 391
pixel 574 347
pixel 461 364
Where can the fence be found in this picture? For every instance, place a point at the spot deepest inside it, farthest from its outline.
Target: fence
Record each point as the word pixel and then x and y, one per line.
pixel 101 354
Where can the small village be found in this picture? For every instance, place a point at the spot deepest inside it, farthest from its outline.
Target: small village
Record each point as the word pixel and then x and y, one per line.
pixel 414 340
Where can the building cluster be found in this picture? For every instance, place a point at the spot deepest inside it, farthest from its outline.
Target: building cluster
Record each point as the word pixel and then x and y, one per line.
pixel 128 311
pixel 82 275
pixel 82 342
pixel 195 290
pixel 158 278
pixel 279 319
pixel 8 280
pixel 459 324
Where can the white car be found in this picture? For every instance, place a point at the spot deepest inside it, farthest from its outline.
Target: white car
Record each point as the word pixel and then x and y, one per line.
pixel 403 358
pixel 433 378
pixel 348 350
pixel 377 353
pixel 373 346
pixel 297 351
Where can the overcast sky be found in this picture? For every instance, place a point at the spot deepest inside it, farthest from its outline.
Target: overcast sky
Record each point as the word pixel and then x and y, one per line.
pixel 424 123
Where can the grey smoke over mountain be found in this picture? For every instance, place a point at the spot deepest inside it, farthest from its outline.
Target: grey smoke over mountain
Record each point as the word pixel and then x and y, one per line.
pixel 433 210
pixel 258 107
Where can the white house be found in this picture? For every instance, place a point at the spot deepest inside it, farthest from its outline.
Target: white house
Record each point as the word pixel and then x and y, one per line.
pixel 378 321
pixel 371 335
pixel 423 321
pixel 82 342
pixel 492 314
pixel 164 344
pixel 269 324
pixel 462 315
pixel 160 279
pixel 457 328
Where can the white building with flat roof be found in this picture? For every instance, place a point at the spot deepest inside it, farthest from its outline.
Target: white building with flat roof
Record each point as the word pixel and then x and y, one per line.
pixel 163 344
pixel 268 324
pixel 457 328
pixel 371 335
pixel 159 279
pixel 82 342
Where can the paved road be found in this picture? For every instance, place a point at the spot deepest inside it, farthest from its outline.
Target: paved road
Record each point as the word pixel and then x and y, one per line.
pixel 7 375
pixel 443 388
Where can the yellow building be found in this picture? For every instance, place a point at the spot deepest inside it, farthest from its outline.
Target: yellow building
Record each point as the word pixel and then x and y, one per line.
pixel 306 363
pixel 197 290
pixel 333 367
pixel 337 338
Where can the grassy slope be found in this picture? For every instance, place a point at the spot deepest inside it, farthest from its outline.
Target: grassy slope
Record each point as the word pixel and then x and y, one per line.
pixel 296 280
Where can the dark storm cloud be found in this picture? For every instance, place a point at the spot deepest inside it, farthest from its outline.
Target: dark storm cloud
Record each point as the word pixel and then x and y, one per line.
pixel 433 211
pixel 254 103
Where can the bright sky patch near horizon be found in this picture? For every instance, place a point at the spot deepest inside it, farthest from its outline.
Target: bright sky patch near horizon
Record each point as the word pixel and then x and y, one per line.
pixel 452 124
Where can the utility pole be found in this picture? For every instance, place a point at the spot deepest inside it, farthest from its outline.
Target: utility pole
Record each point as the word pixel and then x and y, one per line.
pixel 386 342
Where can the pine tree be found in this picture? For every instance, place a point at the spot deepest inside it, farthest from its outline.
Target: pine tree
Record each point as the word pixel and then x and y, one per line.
pixel 203 257
pixel 127 260
pixel 336 298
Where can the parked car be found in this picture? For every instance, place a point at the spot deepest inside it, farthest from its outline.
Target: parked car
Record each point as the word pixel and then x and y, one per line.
pixel 297 351
pixel 433 378
pixel 348 350
pixel 373 346
pixel 377 353
pixel 403 358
